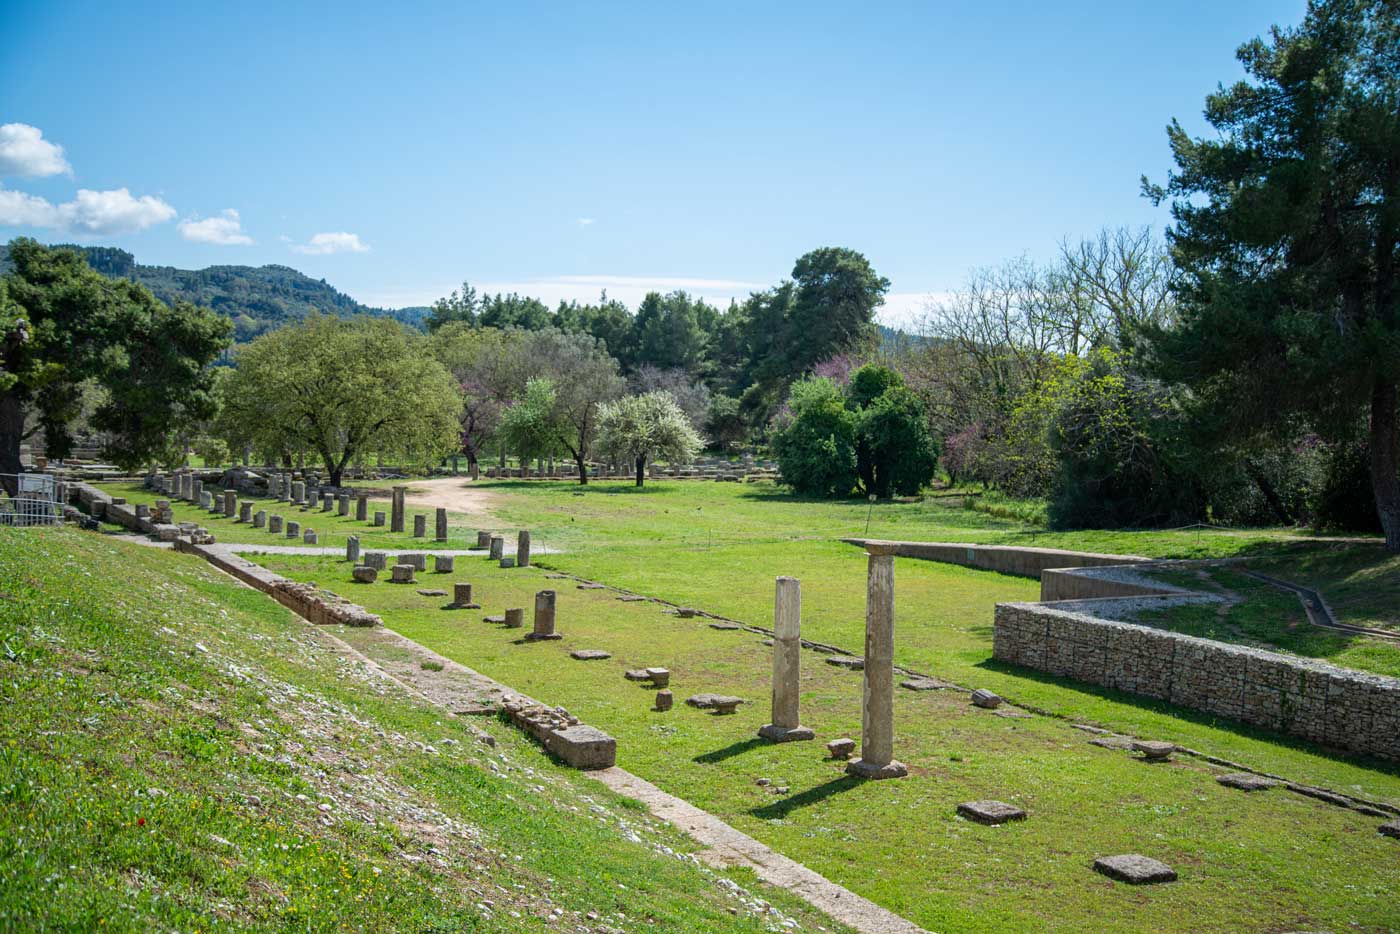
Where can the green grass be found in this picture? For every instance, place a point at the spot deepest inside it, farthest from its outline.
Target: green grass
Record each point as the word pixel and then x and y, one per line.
pixel 1360 583
pixel 179 753
pixel 1275 861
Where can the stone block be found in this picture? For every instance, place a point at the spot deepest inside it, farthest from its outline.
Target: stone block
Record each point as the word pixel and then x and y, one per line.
pixel 364 574
pixel 402 574
pixel 1135 869
pixel 990 812
pixel 443 564
pixel 376 559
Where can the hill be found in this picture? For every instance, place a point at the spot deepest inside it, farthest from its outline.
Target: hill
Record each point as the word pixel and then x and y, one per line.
pixel 180 752
pixel 255 298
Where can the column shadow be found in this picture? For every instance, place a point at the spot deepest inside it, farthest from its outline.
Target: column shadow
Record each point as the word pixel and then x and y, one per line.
pixel 785 806
pixel 733 749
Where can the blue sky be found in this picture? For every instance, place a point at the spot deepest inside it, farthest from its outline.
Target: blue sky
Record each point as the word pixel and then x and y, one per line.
pixel 398 149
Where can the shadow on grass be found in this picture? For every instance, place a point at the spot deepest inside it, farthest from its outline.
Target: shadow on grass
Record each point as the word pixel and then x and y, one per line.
pixel 728 752
pixel 785 806
pixel 1193 716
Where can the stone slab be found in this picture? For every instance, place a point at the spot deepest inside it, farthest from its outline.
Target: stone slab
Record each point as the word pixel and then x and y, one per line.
pixel 990 812
pixel 1135 869
pixel 588 655
pixel 1246 781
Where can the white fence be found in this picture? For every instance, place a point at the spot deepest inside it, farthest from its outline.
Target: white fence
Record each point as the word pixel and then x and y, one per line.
pixel 38 499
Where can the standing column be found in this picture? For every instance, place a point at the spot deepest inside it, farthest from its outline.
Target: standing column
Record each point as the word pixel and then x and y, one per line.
pixel 396 510
pixel 299 492
pixel 787 664
pixel 522 549
pixel 877 710
pixel 362 507
pixel 544 618
pixel 440 526
pixel 230 503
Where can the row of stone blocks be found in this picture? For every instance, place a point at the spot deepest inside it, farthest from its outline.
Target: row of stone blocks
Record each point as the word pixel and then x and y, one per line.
pixel 562 735
pixel 1334 706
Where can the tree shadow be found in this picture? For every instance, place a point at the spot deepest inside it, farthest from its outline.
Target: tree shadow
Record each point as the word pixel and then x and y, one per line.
pixel 785 806
pixel 733 749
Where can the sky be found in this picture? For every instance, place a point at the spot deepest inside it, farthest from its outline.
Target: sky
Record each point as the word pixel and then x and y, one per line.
pixel 397 150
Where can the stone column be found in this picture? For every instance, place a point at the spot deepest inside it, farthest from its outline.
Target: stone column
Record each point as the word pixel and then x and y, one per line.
pixel 483 539
pixel 274 524
pixel 245 511
pixel 230 503
pixel 362 507
pixel 343 505
pixel 440 526
pixel 379 518
pixel 462 596
pixel 498 547
pixel 196 490
pixel 260 519
pixel 298 492
pixel 396 510
pixel 877 708
pixel 327 502
pixel 352 548
pixel 787 664
pixel 522 549
pixel 544 617
pixel 293 529
pixel 420 525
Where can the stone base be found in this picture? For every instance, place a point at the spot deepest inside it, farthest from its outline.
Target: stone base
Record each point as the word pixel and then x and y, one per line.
pixel 542 636
pixel 781 734
pixel 862 769
pixel 464 606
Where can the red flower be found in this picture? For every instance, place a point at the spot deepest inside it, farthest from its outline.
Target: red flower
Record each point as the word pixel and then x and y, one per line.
pixel 140 822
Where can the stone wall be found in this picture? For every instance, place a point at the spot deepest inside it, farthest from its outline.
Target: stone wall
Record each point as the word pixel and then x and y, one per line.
pixel 1334 706
pixel 1005 559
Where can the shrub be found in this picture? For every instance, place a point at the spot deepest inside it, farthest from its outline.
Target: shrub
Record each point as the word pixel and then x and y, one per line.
pixel 816 444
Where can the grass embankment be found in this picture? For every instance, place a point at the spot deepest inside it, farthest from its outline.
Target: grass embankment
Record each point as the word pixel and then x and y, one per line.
pixel 179 752
pixel 1274 861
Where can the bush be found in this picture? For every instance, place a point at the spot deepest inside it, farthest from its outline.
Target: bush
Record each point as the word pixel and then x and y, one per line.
pixel 1345 500
pixel 895 454
pixel 816 446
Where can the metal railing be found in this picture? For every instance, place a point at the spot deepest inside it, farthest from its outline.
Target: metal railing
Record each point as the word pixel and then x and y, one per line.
pixel 38 499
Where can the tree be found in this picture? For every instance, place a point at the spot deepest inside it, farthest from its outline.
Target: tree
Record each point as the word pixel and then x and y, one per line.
pixel 583 376
pixel 530 426
pixel 688 392
pixel 340 387
pixel 458 307
pixel 646 428
pixel 64 326
pixel 895 454
pixel 486 364
pixel 816 446
pixel 1286 238
pixel 834 307
pixel 669 334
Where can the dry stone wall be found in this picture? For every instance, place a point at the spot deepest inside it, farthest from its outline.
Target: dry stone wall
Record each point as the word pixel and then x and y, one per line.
pixel 1334 706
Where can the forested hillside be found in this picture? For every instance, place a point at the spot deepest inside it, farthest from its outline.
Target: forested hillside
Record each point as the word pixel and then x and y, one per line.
pixel 255 298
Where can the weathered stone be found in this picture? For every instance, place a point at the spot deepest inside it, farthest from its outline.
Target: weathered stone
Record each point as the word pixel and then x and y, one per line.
pixel 544 617
pixel 636 674
pixel 589 585
pixel 260 519
pixel 462 597
pixel 515 618
pixel 685 612
pixel 1112 742
pixel 785 725
pixel 396 507
pixel 483 539
pixel 245 511
pixel 361 507
pixel 420 525
pixel 376 559
pixel 298 492
pixel 432 593
pixel 659 677
pixel 924 684
pixel 1390 829
pixel 1246 781
pixel 583 747
pixel 725 626
pixel 402 574
pixel 841 748
pixel 990 812
pixel 417 559
pixel 364 574
pixel 588 655
pixel 846 661
pixel 309 537
pixel 379 518
pixel 1154 750
pixel 494 619
pixel 498 548
pixel 877 708
pixel 507 562
pixel 440 525
pixel 293 529
pixel 352 548
pixel 632 598
pixel 664 700
pixel 1135 869
pixel 522 548
pixel 985 699
pixel 720 703
pixel 443 564
pixel 327 501
pixel 342 504
pixel 274 524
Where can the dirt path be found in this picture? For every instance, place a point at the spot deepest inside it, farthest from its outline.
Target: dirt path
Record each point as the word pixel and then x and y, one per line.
pixel 456 494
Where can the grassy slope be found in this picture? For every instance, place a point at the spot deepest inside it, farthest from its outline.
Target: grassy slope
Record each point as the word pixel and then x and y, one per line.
pixel 180 752
pixel 1361 584
pixel 1241 857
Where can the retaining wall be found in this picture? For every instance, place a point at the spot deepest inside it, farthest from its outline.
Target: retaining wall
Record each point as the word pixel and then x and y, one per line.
pixel 1334 706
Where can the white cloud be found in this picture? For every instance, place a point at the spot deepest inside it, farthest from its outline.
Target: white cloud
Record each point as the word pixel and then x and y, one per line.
pixel 585 221
pixel 322 244
pixel 224 230
pixel 91 212
pixel 24 151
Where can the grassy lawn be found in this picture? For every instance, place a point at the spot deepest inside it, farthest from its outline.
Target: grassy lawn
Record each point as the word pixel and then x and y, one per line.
pixel 331 529
pixel 179 753
pixel 1271 618
pixel 1360 583
pixel 1241 857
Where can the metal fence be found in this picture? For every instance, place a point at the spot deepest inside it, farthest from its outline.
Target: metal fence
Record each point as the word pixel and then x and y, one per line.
pixel 37 499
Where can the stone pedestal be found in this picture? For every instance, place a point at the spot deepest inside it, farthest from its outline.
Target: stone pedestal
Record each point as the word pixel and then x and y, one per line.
pixel 376 559
pixel 260 519
pixel 787 664
pixel 443 564
pixel 440 526
pixel 483 539
pixel 342 507
pixel 522 549
pixel 197 491
pixel 420 525
pixel 299 492
pixel 352 548
pixel 417 560
pixel 293 529
pixel 498 547
pixel 462 596
pixel 327 502
pixel 230 503
pixel 379 518
pixel 274 524
pixel 515 619
pixel 396 509
pixel 877 708
pixel 544 617
pixel 309 537
pixel 361 507
pixel 364 574
pixel 245 511
pixel 402 574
